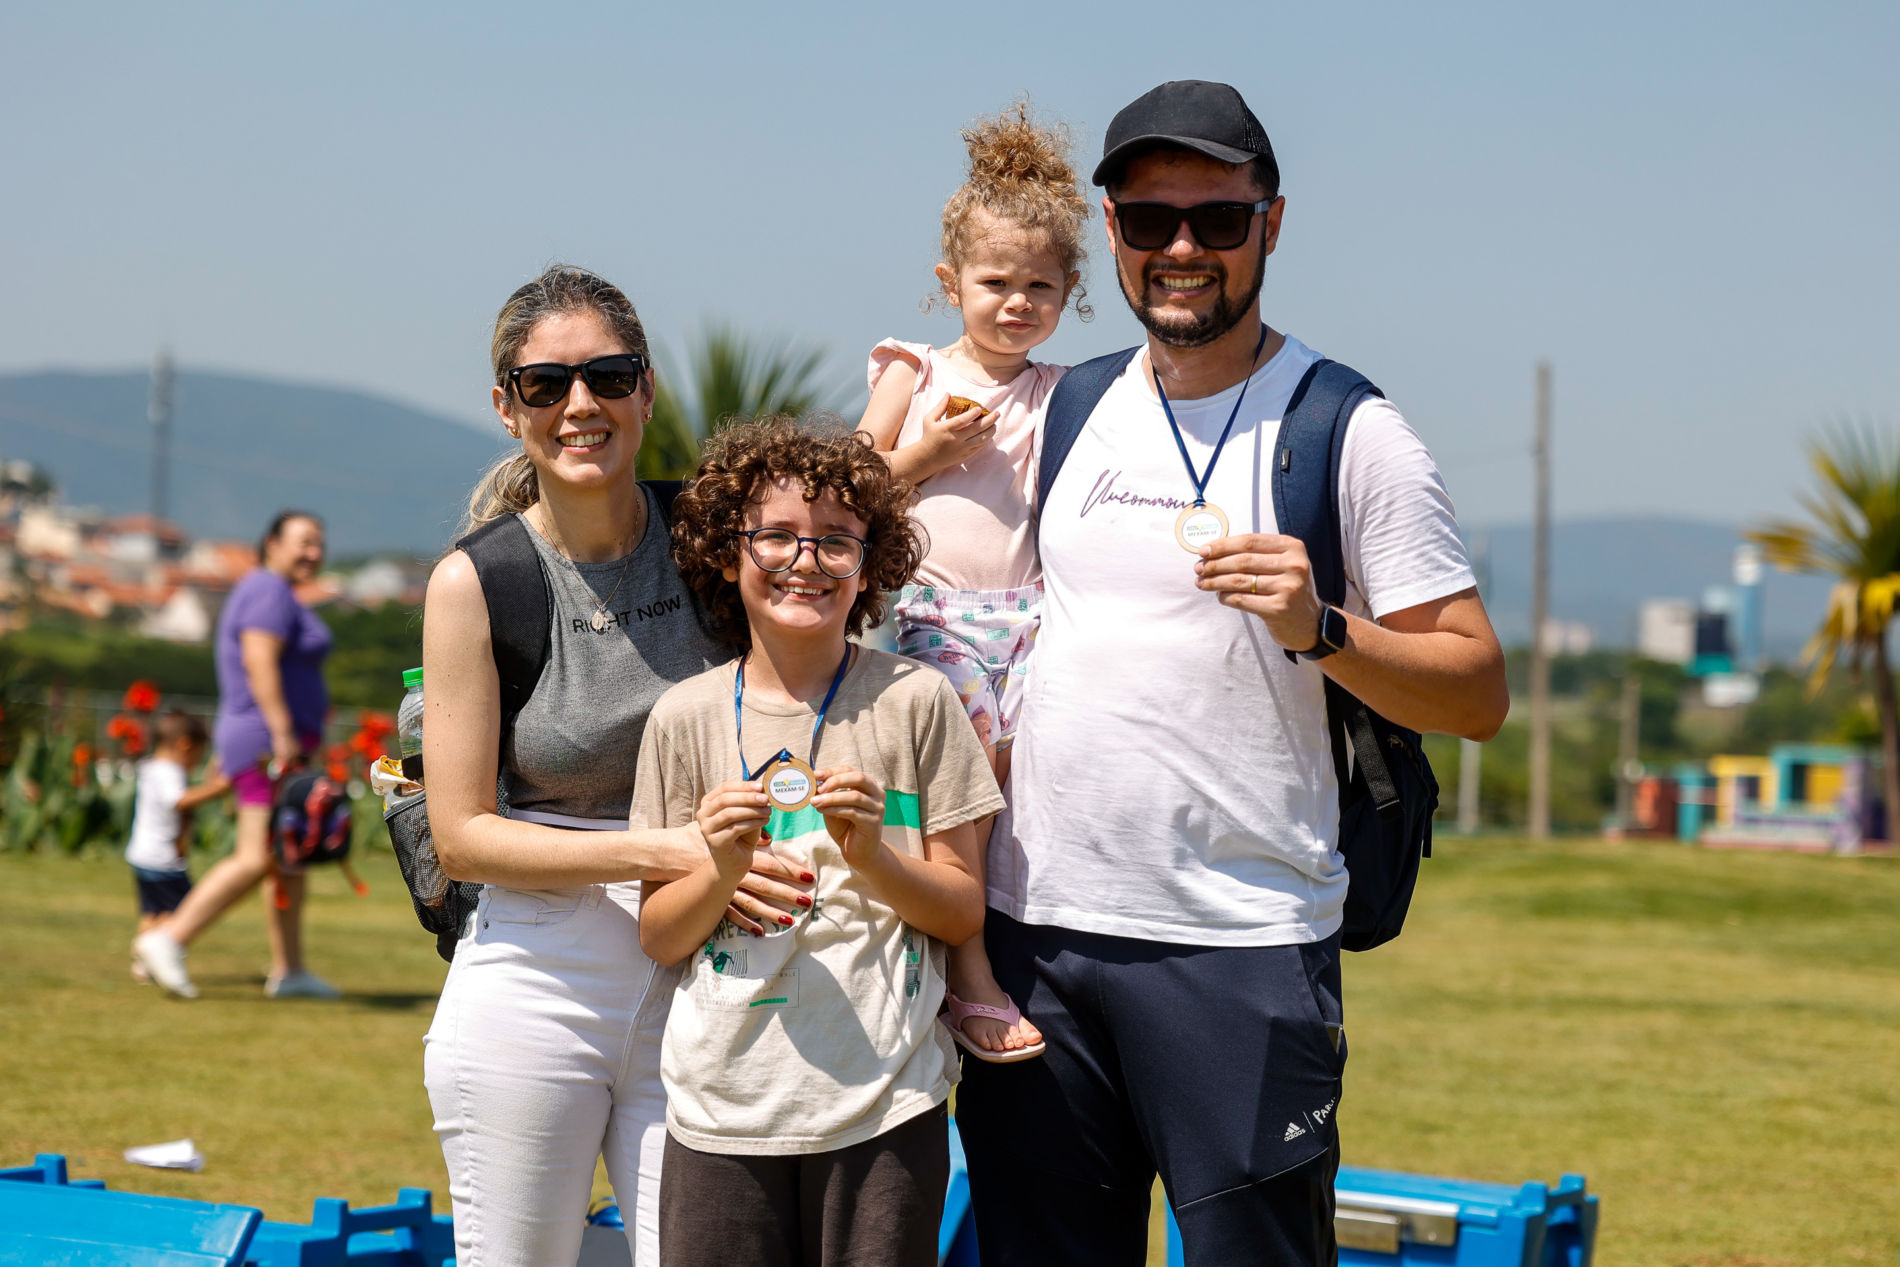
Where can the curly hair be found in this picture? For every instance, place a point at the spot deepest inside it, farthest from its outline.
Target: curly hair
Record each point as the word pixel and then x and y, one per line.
pixel 1020 174
pixel 741 462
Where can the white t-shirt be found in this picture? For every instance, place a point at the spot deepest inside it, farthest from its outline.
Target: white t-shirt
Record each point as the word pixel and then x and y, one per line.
pixel 154 843
pixel 1173 780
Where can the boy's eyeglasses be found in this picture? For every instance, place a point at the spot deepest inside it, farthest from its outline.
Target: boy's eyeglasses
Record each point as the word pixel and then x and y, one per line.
pixel 608 377
pixel 1218 226
pixel 839 555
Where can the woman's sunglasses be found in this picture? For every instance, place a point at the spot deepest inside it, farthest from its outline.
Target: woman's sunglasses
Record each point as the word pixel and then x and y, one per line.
pixel 608 377
pixel 1218 226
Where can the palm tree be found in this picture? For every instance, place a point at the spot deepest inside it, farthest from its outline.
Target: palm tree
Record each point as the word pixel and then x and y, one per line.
pixel 1854 537
pixel 733 380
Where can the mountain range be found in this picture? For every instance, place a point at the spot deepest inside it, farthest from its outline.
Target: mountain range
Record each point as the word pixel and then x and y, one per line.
pixel 384 476
pixel 389 477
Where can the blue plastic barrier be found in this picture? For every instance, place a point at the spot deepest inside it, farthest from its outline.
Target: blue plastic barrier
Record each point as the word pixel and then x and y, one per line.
pixel 51 1224
pixel 47 1168
pixel 406 1234
pixel 1386 1218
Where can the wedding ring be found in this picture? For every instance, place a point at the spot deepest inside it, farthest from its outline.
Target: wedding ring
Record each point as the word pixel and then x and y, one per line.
pixel 1253 584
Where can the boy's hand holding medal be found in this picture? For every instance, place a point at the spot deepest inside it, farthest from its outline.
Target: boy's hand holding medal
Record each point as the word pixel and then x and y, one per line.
pixel 731 818
pixel 853 806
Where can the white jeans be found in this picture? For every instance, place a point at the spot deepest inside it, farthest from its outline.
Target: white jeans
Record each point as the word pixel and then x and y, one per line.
pixel 544 1055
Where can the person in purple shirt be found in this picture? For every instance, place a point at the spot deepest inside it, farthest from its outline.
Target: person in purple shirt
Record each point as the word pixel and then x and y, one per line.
pixel 271 707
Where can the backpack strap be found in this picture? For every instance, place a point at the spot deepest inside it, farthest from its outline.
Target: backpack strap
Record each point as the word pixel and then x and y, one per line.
pixel 1070 404
pixel 520 608
pixel 1306 505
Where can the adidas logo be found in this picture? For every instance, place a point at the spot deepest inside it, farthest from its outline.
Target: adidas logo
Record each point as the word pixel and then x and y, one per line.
pixel 1293 1131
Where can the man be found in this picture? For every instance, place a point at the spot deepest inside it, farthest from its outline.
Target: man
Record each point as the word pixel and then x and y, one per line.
pixel 1166 891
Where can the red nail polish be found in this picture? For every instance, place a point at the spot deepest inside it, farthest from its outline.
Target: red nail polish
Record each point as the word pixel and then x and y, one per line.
pixel 807 876
pixel 803 900
pixel 786 920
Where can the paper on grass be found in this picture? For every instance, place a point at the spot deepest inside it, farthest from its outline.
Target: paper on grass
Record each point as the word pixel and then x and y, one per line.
pixel 177 1154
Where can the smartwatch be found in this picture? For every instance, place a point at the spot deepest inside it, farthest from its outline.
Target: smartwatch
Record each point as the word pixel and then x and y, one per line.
pixel 1332 634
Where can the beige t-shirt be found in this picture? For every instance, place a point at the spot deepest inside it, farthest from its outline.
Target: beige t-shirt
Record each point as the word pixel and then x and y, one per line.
pixel 822 1035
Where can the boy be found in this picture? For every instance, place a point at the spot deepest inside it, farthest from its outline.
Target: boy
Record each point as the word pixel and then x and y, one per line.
pixel 804 1070
pixel 160 814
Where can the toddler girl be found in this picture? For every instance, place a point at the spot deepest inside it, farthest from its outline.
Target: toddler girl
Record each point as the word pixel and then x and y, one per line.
pixel 960 422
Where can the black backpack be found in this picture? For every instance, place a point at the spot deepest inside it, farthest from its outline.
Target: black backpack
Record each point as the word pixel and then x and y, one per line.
pixel 520 614
pixel 1387 793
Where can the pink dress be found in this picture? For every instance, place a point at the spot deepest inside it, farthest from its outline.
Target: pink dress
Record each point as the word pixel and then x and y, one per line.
pixel 978 514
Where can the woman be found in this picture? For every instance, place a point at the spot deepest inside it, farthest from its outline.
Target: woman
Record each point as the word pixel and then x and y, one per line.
pixel 271 707
pixel 545 1050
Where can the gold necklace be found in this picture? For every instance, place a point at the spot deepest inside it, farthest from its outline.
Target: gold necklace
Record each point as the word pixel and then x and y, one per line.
pixel 601 620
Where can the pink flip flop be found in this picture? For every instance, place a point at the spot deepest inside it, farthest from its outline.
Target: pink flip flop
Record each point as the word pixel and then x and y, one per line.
pixel 961 1012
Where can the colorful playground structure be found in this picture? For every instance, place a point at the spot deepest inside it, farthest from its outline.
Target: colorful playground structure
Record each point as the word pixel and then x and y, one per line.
pixel 1816 798
pixel 1383 1218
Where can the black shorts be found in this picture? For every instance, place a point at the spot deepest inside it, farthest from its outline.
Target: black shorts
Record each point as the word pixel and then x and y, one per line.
pixel 877 1202
pixel 160 892
pixel 1218 1067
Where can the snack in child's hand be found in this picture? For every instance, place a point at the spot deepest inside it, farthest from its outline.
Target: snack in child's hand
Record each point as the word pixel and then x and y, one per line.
pixel 959 404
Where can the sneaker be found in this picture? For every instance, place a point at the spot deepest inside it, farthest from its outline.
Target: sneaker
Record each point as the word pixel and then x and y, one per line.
pixel 300 985
pixel 164 958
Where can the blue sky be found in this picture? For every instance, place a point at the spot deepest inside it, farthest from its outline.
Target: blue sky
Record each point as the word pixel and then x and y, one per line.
pixel 1693 210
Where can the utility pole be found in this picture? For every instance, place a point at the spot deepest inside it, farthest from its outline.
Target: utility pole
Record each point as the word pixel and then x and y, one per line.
pixel 1628 759
pixel 159 411
pixel 1470 751
pixel 1540 613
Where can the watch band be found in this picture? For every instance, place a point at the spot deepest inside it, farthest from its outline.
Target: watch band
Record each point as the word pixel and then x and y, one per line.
pixel 1332 634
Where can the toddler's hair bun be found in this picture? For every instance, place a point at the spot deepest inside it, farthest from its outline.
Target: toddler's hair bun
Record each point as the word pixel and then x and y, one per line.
pixel 1010 148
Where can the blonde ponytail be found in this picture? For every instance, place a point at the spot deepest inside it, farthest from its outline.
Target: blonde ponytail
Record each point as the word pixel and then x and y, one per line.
pixel 506 488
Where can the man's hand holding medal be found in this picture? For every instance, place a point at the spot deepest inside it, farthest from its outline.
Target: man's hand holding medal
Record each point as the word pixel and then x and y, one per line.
pixel 1267 575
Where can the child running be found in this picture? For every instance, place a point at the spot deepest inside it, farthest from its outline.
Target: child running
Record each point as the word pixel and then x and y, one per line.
pixel 961 423
pixel 161 813
pixel 805 1072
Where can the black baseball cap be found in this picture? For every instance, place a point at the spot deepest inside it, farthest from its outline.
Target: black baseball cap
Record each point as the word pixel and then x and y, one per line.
pixel 1192 114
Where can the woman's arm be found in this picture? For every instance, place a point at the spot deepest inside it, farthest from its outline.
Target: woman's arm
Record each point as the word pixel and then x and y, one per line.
pixel 676 918
pixel 260 650
pixel 461 735
pixel 938 894
pixel 945 441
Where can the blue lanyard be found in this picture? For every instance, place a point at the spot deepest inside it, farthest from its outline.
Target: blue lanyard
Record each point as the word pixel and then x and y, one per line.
pixel 1200 482
pixel 738 715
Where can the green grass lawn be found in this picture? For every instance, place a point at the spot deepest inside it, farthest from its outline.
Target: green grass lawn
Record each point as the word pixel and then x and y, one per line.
pixel 1713 1039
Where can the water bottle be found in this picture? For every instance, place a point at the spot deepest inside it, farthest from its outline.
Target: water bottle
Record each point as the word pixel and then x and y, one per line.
pixel 409 725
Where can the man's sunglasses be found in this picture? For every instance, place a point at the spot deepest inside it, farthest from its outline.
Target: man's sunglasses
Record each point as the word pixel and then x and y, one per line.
pixel 608 377
pixel 1218 226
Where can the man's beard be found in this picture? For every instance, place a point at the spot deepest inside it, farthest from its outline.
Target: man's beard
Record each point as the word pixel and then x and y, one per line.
pixel 1189 330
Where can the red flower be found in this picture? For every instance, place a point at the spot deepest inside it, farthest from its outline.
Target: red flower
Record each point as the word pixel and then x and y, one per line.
pixel 140 697
pixel 82 764
pixel 130 734
pixel 372 732
pixel 337 758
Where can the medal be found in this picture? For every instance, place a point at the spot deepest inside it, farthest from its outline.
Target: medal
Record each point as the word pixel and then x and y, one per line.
pixel 789 783
pixel 1199 524
pixel 1203 521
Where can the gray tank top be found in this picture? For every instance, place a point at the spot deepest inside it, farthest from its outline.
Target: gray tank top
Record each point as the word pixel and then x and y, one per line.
pixel 577 739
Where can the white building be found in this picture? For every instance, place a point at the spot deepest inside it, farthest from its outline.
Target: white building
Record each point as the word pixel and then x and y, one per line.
pixel 1665 630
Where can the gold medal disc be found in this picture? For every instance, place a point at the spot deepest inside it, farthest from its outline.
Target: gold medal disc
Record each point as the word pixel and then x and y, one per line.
pixel 1198 525
pixel 789 783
